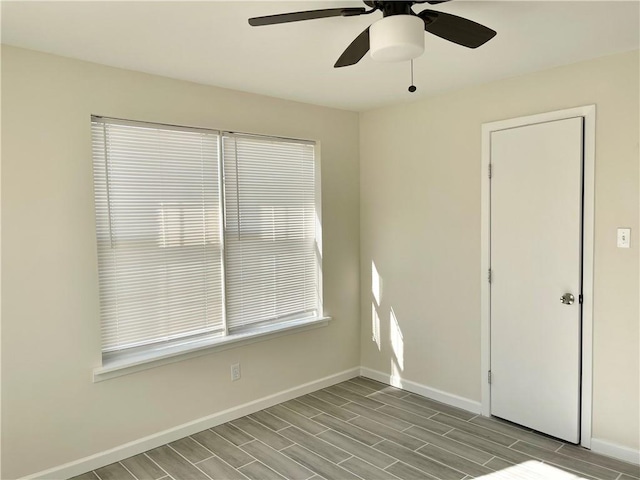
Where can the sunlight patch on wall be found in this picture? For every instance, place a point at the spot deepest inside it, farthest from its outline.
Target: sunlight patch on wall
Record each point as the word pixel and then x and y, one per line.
pixel 376 284
pixel 375 325
pixel 397 343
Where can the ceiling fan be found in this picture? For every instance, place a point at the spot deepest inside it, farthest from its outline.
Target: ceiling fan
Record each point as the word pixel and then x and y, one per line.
pixel 398 35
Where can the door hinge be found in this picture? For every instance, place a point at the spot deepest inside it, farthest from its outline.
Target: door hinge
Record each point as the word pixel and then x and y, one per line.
pixel 490 171
pixel 489 276
pixel 489 376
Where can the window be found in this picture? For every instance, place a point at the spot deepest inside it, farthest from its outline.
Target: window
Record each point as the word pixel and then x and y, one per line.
pixel 270 227
pixel 201 234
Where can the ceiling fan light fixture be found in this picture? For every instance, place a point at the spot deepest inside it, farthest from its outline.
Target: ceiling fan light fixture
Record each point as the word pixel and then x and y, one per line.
pixel 397 38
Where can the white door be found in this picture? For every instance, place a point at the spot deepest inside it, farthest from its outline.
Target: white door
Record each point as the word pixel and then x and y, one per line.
pixel 536 260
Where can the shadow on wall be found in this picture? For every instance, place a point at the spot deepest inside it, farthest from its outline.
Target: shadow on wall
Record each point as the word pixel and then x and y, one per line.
pixel 396 339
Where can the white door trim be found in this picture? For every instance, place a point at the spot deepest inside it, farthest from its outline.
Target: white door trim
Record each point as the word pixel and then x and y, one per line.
pixel 588 112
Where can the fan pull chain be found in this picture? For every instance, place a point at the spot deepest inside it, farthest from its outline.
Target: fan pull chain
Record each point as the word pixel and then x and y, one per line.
pixel 412 87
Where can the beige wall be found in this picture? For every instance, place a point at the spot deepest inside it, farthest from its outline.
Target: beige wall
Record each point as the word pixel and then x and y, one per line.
pixel 52 413
pixel 420 225
pixel 419 214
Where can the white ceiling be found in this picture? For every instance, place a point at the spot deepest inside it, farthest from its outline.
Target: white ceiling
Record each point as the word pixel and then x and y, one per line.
pixel 212 43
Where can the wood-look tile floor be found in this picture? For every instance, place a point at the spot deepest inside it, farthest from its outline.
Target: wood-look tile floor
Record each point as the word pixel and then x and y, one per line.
pixel 362 429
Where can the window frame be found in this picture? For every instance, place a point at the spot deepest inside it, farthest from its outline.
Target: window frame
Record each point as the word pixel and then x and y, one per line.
pixel 129 360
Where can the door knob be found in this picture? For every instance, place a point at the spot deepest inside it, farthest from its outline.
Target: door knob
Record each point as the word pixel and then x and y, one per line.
pixel 567 299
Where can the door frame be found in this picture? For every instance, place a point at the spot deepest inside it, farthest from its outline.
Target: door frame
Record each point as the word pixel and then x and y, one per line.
pixel 588 112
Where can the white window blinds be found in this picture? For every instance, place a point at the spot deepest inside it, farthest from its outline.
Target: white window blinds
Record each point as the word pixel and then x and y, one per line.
pixel 270 230
pixel 158 216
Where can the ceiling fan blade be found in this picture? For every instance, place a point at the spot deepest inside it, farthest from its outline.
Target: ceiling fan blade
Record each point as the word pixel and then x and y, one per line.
pixel 456 29
pixel 307 15
pixel 436 2
pixel 355 51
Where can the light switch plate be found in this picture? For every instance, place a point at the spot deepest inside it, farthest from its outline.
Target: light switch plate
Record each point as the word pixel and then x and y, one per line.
pixel 624 237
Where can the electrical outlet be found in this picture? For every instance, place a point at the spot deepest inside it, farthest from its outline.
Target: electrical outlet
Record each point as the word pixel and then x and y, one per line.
pixel 235 372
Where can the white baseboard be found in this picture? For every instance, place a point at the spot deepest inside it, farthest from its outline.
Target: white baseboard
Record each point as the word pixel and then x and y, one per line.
pixel 425 391
pixel 121 452
pixel 616 451
pixel 597 446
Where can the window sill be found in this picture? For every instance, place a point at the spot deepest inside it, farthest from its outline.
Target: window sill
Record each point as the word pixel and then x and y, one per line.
pixel 163 354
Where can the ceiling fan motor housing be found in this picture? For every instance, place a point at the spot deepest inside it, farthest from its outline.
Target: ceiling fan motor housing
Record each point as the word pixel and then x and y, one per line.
pixel 396 38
